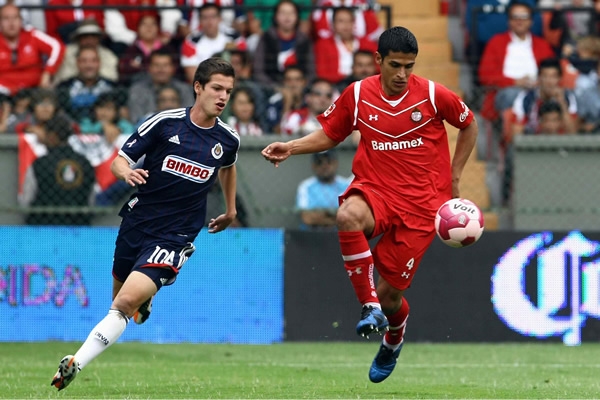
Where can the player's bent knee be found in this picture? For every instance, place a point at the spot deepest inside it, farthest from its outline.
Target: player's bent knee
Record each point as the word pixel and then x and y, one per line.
pixel 350 219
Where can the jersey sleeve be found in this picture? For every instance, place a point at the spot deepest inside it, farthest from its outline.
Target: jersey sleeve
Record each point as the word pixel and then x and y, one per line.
pixel 338 121
pixel 145 136
pixel 452 108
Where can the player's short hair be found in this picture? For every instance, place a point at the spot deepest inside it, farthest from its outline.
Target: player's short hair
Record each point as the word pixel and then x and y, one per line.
pixel 397 39
pixel 212 66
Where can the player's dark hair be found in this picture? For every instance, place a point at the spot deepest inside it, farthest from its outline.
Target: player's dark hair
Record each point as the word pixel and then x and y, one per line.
pixel 397 39
pixel 550 63
pixel 212 66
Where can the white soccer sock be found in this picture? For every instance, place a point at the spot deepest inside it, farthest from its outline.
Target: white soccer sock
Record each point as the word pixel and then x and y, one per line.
pixel 101 337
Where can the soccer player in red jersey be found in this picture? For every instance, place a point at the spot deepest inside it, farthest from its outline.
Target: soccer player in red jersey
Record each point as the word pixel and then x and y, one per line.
pixel 403 173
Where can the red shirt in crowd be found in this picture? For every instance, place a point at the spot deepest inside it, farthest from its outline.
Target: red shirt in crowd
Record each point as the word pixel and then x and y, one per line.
pixel 23 66
pixel 57 18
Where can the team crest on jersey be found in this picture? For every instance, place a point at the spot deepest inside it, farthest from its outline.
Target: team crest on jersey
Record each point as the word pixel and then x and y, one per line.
pixel 416 115
pixel 217 151
pixel 329 110
pixel 187 169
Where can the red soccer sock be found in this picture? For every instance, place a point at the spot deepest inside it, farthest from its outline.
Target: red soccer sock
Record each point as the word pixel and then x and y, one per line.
pixel 358 262
pixel 397 324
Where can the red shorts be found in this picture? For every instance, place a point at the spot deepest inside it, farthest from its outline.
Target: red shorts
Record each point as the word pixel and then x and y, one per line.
pixel 404 237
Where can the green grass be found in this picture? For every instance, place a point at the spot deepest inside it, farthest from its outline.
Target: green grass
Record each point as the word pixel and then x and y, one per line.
pixel 306 370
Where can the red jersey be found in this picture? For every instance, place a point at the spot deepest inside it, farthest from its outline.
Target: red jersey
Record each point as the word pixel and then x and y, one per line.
pixel 37 52
pixel 57 18
pixel 403 151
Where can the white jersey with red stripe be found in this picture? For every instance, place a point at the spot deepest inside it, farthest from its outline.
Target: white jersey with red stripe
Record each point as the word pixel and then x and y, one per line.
pixel 403 151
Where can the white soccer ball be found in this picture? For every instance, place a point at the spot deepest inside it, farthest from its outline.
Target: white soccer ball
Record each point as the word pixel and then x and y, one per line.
pixel 459 223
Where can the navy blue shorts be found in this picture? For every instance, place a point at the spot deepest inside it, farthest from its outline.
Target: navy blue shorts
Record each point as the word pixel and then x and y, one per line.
pixel 159 259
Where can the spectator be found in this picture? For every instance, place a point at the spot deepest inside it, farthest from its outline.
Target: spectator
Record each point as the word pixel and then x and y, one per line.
pixel 167 98
pixel 105 119
pixel 191 20
pixel 582 64
pixel 42 108
pixel 317 196
pixel 366 23
pixel 304 120
pixel 510 61
pixel 363 66
pixel 527 104
pixel 121 25
pixel 31 17
pixel 133 64
pixel 61 24
pixel 199 46
pixel 489 24
pixel 88 34
pixel 243 118
pixel 29 57
pixel 588 100
pixel 77 95
pixel 240 61
pixel 551 117
pixel 143 93
pixel 562 28
pixel 334 55
pixel 281 46
pixel 5 112
pixel 266 16
pixel 289 97
pixel 62 177
pixel 249 28
pixel 19 106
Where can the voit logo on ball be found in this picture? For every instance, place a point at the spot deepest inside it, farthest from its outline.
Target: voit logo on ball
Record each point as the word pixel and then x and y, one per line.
pixel 543 289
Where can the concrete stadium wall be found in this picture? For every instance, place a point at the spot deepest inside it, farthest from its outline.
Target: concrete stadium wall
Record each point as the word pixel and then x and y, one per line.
pixel 556 182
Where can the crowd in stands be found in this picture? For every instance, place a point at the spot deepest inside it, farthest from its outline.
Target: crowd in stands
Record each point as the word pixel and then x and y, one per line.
pixel 95 56
pixel 106 68
pixel 97 69
pixel 536 70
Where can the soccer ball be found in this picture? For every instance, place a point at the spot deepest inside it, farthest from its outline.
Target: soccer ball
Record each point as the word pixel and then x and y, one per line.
pixel 459 223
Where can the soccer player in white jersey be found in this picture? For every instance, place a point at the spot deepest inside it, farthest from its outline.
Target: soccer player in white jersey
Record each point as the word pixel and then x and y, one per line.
pixel 186 150
pixel 403 173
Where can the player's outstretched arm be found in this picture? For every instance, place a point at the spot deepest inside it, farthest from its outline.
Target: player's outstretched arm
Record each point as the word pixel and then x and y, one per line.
pixel 467 138
pixel 313 143
pixel 228 180
pixel 121 169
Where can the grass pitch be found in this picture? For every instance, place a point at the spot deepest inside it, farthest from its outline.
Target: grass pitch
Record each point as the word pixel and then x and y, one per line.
pixel 306 371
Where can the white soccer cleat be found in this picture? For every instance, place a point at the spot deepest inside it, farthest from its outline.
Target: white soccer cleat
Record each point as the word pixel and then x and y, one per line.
pixel 67 371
